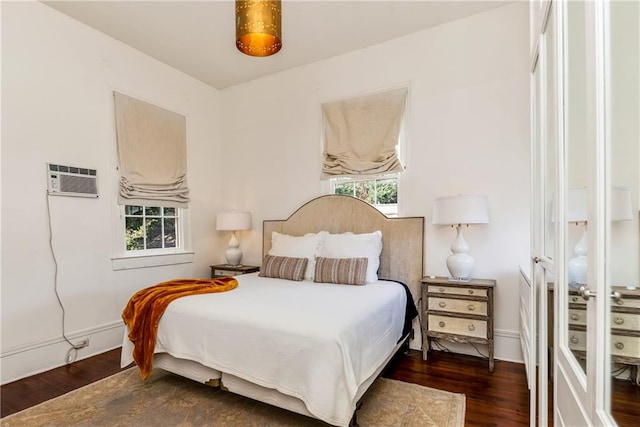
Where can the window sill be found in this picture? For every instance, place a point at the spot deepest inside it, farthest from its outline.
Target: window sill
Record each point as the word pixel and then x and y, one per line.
pixel 128 262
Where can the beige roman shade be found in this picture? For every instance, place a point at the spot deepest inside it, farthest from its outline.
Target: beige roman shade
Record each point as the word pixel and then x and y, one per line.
pixel 361 134
pixel 152 154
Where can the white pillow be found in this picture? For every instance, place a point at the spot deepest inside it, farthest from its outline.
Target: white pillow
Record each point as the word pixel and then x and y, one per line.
pixel 349 245
pixel 306 246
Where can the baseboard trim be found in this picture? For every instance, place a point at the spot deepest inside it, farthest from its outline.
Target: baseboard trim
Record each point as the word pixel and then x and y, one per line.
pixel 33 358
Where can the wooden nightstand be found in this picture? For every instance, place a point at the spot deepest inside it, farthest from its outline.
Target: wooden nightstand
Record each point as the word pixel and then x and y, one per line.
pixel 221 270
pixel 458 312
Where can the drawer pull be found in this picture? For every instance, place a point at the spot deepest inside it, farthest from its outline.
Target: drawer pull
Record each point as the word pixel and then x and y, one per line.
pixel 618 320
pixel 574 340
pixel 472 328
pixel 619 345
pixel 441 324
pixel 574 316
pixel 442 290
pixel 574 299
pixel 442 304
pixel 470 291
pixel 471 307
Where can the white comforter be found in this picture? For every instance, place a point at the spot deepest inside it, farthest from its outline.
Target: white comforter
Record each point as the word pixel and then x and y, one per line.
pixel 316 342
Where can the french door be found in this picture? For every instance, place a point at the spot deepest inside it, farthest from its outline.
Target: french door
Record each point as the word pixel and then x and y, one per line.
pixel 585 150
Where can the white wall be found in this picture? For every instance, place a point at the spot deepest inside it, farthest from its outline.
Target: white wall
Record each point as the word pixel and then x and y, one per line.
pixel 468 132
pixel 57 78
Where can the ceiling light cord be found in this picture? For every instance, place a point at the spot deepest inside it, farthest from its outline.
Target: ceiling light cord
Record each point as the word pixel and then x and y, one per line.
pixel 73 351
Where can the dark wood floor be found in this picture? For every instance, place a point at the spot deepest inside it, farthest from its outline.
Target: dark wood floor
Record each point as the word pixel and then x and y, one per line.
pixel 497 399
pixel 500 398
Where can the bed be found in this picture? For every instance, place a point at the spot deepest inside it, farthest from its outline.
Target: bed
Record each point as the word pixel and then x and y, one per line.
pixel 312 348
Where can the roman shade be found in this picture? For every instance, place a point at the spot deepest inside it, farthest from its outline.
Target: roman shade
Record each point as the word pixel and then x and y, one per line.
pixel 361 134
pixel 152 154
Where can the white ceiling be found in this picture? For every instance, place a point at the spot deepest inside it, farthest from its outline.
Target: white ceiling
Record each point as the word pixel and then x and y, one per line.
pixel 198 37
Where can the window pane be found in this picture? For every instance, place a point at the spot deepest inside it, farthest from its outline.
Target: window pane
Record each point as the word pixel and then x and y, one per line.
pixel 154 233
pixel 381 193
pixel 151 227
pixel 134 234
pixel 152 210
pixel 344 189
pixel 133 210
pixel 365 191
pixel 360 190
pixel 371 192
pixel 170 238
pixel 387 191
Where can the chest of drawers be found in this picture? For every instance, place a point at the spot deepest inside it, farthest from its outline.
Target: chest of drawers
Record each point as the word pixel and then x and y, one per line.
pixel 458 312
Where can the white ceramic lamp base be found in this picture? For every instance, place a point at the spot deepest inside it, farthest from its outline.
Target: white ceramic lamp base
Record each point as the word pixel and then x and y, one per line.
pixel 577 268
pixel 233 253
pixel 460 262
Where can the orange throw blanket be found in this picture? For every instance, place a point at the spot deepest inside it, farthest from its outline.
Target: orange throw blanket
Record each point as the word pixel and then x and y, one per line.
pixel 145 308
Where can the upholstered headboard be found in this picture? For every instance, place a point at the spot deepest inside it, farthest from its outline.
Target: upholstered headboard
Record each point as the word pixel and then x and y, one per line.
pixel 402 238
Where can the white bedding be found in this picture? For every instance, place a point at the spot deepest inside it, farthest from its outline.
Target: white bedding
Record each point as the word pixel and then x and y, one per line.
pixel 316 342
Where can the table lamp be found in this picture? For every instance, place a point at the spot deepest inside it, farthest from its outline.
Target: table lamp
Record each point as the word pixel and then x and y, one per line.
pixel 233 221
pixel 459 210
pixel 577 212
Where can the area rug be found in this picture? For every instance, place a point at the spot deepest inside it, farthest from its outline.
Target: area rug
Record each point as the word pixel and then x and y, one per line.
pixel 165 399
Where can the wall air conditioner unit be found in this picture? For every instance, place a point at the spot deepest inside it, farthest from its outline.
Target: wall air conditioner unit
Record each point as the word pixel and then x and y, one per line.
pixel 71 181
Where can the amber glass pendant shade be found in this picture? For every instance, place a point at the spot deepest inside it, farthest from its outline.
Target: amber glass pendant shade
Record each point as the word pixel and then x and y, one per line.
pixel 258 27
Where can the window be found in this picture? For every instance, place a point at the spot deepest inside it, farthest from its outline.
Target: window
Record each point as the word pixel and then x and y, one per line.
pixel 381 192
pixel 151 228
pixel 362 138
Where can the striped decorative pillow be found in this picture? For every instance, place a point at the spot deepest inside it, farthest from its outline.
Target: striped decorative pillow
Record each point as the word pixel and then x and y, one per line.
pixel 281 267
pixel 346 271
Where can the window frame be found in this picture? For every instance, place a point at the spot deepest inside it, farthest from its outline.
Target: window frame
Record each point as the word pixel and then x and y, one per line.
pixel 327 185
pixel 144 216
pixel 132 259
pixel 121 259
pixel 333 182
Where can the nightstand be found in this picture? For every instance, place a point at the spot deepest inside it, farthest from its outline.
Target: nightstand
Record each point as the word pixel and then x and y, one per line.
pixel 221 270
pixel 457 311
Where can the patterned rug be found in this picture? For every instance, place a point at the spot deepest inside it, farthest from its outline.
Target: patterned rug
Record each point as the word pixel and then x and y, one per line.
pixel 169 400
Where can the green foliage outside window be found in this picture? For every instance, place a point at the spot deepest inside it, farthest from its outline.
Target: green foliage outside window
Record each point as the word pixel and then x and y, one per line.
pixel 150 227
pixel 375 191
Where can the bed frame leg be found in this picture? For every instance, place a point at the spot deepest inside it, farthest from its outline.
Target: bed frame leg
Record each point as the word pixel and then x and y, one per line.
pixel 354 418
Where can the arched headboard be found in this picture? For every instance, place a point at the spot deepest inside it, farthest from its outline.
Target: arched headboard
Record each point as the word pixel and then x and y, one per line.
pixel 402 238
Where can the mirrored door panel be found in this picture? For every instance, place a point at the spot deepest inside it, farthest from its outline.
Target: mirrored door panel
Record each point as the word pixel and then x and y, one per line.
pixel 550 162
pixel 622 69
pixel 577 178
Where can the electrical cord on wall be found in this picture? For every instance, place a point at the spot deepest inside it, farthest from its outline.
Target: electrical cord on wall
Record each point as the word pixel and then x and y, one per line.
pixel 73 351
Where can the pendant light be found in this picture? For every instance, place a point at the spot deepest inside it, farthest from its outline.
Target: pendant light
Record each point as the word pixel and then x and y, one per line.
pixel 258 27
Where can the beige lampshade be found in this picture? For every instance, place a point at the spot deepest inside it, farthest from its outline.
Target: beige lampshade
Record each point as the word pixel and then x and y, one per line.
pixel 233 221
pixel 258 27
pixel 577 203
pixel 461 209
pixel 621 204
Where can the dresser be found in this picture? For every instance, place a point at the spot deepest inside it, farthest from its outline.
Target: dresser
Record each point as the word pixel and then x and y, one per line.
pixel 457 311
pixel 625 326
